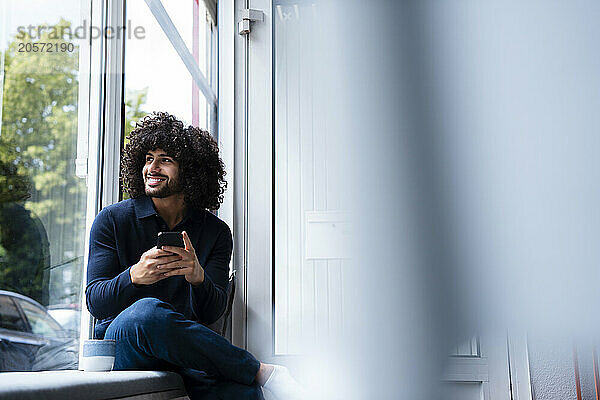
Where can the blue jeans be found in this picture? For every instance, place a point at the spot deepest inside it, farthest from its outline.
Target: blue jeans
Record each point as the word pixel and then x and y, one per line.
pixel 151 335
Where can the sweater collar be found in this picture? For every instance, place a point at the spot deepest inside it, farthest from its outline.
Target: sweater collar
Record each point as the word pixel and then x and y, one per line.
pixel 144 207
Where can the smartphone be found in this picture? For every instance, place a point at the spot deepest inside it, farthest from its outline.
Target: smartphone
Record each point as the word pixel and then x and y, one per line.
pixel 170 239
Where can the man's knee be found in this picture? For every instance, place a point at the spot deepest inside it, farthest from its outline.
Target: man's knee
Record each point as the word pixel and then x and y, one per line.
pixel 148 308
pixel 146 313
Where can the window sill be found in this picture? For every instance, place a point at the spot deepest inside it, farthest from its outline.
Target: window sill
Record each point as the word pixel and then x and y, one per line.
pixel 50 385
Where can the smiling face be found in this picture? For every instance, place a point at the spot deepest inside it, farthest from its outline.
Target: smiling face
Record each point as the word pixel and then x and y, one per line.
pixel 161 174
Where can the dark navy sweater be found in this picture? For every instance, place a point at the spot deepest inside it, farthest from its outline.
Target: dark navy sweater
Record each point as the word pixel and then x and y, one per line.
pixel 122 232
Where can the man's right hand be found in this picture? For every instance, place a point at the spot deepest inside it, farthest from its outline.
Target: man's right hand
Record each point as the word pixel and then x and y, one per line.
pixel 152 266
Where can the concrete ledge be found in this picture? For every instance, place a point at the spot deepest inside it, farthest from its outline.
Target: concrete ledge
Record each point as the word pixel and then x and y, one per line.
pixel 60 385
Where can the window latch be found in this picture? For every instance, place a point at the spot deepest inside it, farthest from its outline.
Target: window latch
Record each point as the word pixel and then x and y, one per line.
pixel 249 15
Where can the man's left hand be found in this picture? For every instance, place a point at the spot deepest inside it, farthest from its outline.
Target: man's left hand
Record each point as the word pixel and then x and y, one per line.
pixel 188 265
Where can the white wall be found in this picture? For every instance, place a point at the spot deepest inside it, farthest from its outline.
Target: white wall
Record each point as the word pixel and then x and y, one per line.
pixel 510 109
pixel 469 145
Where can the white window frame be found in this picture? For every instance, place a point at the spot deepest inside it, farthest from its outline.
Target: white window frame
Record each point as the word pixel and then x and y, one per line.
pixel 223 65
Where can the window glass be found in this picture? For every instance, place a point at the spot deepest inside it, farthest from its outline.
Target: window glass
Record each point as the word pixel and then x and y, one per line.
pixel 10 318
pixel 42 200
pixel 39 321
pixel 155 77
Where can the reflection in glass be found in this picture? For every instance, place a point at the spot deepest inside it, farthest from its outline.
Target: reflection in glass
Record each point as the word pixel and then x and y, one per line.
pixel 9 315
pixel 42 201
pixel 39 321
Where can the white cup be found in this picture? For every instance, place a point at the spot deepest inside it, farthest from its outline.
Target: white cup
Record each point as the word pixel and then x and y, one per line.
pixel 98 355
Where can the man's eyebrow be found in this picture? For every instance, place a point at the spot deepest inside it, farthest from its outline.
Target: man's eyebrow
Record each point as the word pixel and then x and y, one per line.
pixel 159 155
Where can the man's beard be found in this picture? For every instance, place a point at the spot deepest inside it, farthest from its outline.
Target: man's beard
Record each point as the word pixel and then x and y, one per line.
pixel 172 187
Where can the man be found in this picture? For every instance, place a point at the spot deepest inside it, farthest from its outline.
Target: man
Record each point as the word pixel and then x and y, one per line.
pixel 155 302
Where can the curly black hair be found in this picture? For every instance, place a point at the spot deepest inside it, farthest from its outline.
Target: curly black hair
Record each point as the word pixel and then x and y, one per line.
pixel 201 171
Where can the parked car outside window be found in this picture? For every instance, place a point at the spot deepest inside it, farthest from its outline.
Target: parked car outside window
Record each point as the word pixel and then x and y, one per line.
pixel 30 339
